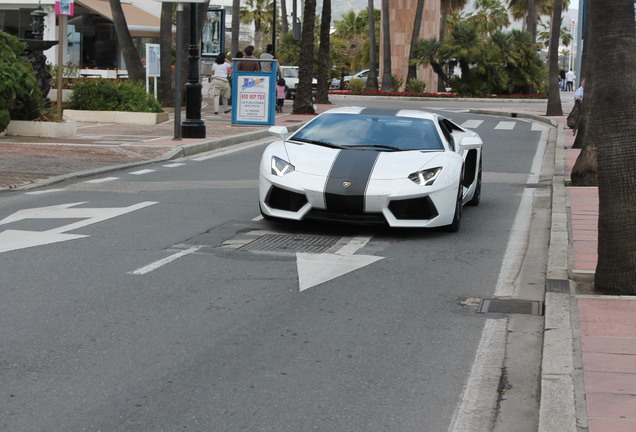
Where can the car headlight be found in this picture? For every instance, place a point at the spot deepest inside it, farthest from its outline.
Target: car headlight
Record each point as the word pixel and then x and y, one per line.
pixel 281 167
pixel 425 177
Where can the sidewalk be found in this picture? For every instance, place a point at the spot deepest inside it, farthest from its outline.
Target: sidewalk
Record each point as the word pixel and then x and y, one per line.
pixel 606 325
pixel 27 162
pixel 602 371
pixel 589 359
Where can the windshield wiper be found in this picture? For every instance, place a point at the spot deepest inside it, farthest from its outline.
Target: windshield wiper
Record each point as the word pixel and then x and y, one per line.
pixel 388 147
pixel 322 143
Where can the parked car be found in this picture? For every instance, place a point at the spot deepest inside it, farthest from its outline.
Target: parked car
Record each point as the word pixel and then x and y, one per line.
pixel 363 75
pixel 402 168
pixel 290 74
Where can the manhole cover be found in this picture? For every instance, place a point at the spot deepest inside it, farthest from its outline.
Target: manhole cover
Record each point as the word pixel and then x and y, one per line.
pixel 291 243
pixel 511 306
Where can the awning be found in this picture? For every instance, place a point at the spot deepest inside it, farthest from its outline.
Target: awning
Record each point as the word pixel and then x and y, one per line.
pixel 140 22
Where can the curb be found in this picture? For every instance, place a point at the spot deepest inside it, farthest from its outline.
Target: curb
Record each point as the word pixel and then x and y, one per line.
pixel 557 411
pixel 181 151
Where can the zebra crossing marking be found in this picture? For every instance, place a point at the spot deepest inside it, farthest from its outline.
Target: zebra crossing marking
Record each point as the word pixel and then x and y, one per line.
pixel 506 125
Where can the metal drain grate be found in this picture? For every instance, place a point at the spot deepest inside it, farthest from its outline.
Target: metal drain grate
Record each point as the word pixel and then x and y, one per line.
pixel 511 306
pixel 291 243
pixel 557 285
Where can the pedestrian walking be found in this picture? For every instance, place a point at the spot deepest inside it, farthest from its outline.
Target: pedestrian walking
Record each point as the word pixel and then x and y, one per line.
pixel 221 69
pixel 280 94
pixel 569 80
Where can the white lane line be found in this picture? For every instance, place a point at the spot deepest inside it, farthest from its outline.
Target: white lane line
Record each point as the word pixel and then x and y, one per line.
pixel 43 192
pixel 143 171
pixel 471 124
pixel 174 165
pixel 506 125
pixel 476 410
pixel 155 265
pixel 233 149
pixel 102 180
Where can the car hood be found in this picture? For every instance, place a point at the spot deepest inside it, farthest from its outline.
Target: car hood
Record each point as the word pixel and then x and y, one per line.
pixel 318 160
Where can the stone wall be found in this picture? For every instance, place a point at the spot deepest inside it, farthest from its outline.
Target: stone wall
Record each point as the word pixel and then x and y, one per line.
pixel 401 16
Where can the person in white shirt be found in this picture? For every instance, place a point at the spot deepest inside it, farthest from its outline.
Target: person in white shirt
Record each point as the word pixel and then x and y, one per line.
pixel 569 80
pixel 220 86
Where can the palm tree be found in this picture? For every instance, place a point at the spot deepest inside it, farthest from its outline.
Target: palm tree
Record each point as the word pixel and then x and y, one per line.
pixel 135 68
pixel 259 13
pixel 554 92
pixel 490 16
pixel 387 80
pixel 612 129
pixel 166 90
pixel 303 103
pixel 283 17
pixel 415 36
pixel 236 26
pixel 448 7
pixel 351 25
pixel 372 78
pixel 427 52
pixel 324 62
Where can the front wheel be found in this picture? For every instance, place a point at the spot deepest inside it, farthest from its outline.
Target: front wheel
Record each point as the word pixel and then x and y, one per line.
pixel 474 201
pixel 457 217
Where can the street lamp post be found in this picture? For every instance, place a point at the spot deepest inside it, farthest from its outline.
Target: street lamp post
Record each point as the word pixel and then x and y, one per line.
pixel 193 126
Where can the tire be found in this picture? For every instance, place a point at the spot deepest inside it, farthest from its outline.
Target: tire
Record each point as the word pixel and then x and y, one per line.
pixel 457 217
pixel 474 201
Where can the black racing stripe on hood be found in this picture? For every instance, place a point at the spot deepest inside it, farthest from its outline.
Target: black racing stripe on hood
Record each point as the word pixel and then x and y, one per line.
pixel 354 168
pixel 379 111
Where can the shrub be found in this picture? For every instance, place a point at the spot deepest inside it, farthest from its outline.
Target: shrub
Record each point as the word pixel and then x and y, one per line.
pixel 397 82
pixel 357 85
pixel 108 95
pixel 415 85
pixel 20 95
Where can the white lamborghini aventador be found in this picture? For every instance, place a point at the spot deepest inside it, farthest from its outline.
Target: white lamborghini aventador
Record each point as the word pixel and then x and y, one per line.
pixel 406 168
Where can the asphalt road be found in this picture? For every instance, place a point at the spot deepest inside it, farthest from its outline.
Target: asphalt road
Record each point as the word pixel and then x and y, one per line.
pixel 159 311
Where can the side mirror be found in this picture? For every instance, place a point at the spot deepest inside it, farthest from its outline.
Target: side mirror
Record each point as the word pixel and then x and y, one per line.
pixel 281 131
pixel 470 142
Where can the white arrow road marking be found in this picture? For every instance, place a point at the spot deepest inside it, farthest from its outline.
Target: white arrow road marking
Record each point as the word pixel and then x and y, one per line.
pixel 15 239
pixel 314 269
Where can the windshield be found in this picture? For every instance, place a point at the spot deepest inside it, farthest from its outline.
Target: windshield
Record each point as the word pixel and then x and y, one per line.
pixel 384 133
pixel 290 72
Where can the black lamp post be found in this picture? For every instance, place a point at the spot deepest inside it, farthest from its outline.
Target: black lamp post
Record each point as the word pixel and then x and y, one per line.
pixel 274 30
pixel 193 126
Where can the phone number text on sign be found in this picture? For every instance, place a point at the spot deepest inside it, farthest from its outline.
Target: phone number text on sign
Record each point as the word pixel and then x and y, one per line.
pixel 252 96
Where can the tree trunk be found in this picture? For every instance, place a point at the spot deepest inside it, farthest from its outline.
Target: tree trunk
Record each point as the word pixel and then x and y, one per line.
pixel 387 81
pixel 303 101
pixel 324 63
pixel 613 130
pixel 586 72
pixel 415 35
pixel 372 78
pixel 165 87
pixel 532 19
pixel 236 26
pixel 554 92
pixel 584 172
pixel 283 16
pixel 135 68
